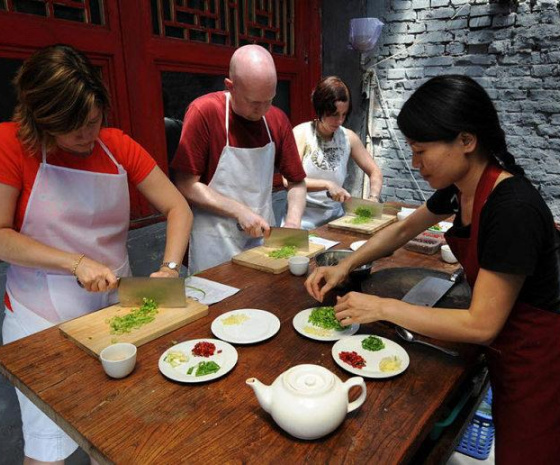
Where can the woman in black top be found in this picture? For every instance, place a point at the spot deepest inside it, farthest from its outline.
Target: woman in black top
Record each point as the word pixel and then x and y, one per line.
pixel 504 237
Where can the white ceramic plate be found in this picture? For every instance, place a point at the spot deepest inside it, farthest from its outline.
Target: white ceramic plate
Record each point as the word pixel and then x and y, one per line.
pixel 371 370
pixel 356 245
pixel 305 328
pixel 253 326
pixel 225 356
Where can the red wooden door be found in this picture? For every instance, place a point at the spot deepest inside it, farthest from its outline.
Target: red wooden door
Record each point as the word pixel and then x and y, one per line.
pixel 135 41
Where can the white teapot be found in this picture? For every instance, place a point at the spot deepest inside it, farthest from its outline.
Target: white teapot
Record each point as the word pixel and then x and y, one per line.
pixel 308 401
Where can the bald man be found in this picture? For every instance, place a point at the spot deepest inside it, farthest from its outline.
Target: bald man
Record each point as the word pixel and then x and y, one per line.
pixel 231 145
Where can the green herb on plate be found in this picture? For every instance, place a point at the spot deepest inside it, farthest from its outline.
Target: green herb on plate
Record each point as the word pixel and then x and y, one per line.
pixel 207 368
pixel 373 343
pixel 286 251
pixel 135 319
pixel 190 370
pixel 324 318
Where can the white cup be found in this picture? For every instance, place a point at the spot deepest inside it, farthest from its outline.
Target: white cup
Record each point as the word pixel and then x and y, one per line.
pixel 118 359
pixel 298 265
pixel 446 254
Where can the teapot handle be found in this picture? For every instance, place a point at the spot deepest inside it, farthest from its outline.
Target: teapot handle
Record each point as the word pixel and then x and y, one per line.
pixel 359 382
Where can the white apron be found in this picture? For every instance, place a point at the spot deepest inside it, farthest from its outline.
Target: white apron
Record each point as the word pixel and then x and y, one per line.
pixel 244 175
pixel 329 161
pixel 79 212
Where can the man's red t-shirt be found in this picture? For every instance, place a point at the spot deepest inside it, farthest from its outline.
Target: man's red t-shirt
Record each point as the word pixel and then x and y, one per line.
pixel 204 137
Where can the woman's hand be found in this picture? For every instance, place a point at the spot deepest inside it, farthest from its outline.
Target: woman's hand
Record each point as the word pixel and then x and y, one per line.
pixel 330 275
pixel 338 193
pixel 165 273
pixel 356 307
pixel 95 277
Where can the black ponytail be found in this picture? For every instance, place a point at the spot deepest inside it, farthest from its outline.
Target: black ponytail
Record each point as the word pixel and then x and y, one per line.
pixel 444 106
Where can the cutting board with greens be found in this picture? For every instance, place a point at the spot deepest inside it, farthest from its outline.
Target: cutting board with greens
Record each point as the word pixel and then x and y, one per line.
pixel 95 331
pixel 362 224
pixel 273 260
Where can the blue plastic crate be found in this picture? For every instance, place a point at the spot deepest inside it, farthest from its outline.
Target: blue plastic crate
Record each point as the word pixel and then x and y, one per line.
pixel 479 436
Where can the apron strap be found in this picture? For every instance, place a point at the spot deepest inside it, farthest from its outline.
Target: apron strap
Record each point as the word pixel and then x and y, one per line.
pixel 227 118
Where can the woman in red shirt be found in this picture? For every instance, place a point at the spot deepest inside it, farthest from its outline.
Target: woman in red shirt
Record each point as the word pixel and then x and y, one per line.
pixel 65 211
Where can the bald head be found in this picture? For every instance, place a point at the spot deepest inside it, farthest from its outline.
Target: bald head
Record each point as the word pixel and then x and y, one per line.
pixel 252 81
pixel 251 64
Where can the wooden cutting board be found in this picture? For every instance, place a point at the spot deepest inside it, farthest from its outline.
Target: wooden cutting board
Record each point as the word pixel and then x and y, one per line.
pixel 258 258
pixel 92 333
pixel 370 227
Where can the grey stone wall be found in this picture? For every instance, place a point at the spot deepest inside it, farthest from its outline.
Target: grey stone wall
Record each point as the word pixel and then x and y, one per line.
pixel 511 47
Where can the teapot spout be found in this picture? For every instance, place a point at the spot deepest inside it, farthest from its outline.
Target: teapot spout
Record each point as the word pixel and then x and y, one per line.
pixel 263 393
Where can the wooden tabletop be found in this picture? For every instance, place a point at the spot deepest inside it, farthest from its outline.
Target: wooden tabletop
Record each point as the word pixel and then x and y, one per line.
pixel 146 418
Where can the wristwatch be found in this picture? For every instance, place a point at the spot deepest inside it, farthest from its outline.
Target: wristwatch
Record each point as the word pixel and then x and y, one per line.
pixel 170 265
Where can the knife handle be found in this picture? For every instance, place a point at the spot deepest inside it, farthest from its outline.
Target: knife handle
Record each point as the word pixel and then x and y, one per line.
pixel 457 275
pixel 240 228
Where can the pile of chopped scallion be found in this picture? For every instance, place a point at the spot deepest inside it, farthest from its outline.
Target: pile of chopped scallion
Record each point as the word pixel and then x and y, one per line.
pixel 363 215
pixel 135 319
pixel 324 318
pixel 286 251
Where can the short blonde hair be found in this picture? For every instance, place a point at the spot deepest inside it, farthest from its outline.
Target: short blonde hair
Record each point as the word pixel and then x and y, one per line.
pixel 57 88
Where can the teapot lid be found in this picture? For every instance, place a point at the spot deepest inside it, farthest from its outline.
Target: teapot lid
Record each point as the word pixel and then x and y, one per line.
pixel 309 379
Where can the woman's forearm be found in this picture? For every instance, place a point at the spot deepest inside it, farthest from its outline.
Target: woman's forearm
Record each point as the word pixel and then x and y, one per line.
pixel 179 224
pixel 18 249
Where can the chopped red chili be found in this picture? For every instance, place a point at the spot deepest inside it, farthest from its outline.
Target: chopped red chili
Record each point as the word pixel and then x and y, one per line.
pixel 353 359
pixel 203 349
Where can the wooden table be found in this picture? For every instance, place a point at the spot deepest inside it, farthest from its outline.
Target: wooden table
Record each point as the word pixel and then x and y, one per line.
pixel 146 418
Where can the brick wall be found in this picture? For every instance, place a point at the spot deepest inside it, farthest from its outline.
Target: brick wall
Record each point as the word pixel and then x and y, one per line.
pixel 512 48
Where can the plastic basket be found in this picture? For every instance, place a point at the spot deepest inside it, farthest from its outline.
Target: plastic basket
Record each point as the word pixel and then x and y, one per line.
pixel 479 436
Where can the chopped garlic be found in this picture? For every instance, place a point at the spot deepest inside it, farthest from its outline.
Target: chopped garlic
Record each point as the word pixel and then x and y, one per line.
pixel 235 319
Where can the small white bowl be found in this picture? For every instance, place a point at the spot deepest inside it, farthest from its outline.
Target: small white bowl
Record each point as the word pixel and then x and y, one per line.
pixel 446 254
pixel 298 265
pixel 118 359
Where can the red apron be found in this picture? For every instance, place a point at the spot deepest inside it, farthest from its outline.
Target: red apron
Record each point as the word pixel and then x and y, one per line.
pixel 523 362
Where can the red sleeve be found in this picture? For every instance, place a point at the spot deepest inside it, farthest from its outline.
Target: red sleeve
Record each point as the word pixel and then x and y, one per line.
pixel 193 149
pixel 11 155
pixel 288 161
pixel 137 162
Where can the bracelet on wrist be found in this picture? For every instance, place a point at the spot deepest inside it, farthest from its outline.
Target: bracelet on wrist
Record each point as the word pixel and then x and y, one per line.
pixel 77 263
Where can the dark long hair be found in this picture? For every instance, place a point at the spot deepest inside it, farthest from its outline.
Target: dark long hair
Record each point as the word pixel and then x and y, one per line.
pixel 443 107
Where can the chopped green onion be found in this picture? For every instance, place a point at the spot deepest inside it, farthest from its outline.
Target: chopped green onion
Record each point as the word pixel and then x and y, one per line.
pixel 373 343
pixel 135 319
pixel 284 252
pixel 363 215
pixel 324 318
pixel 207 368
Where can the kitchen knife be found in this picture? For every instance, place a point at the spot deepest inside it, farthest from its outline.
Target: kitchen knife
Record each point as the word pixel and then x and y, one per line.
pixel 280 237
pixel 167 292
pixel 354 203
pixel 431 289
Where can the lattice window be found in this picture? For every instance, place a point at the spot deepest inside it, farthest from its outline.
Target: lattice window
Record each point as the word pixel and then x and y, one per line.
pixel 81 11
pixel 269 23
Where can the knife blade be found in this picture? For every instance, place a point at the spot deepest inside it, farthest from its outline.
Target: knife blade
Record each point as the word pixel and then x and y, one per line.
pixel 354 203
pixel 167 292
pixel 280 237
pixel 430 290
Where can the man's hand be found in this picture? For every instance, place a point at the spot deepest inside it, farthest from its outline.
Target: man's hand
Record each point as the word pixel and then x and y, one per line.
pixel 252 224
